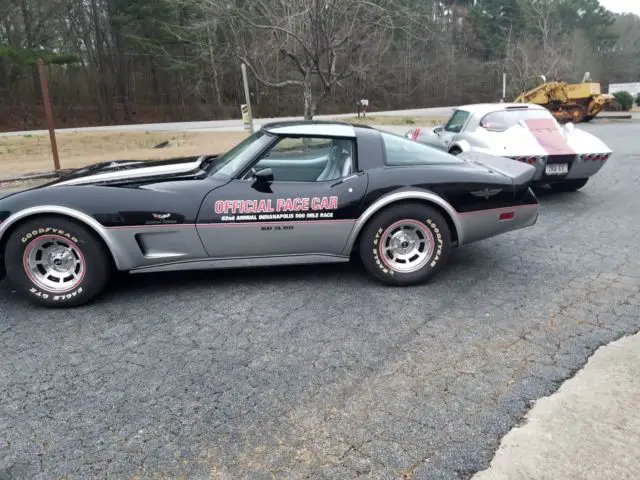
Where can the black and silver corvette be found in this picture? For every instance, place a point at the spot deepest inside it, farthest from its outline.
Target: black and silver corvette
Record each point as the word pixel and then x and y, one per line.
pixel 292 193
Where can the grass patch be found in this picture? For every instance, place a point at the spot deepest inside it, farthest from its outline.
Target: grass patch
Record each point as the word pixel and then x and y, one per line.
pixel 32 153
pixel 408 121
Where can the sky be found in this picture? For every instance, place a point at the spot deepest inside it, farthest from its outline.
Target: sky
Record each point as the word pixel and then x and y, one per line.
pixel 622 6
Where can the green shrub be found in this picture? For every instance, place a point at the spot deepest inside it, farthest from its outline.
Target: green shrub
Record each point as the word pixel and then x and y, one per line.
pixel 625 99
pixel 638 100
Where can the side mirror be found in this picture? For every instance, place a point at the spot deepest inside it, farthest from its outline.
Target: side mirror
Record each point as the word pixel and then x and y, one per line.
pixel 569 127
pixel 264 176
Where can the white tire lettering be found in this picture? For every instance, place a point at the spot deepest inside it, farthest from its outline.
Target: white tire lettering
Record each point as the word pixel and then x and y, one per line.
pixel 56 298
pixel 51 230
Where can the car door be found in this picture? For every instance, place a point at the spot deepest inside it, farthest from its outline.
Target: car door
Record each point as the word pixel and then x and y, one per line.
pixel 301 197
pixel 454 126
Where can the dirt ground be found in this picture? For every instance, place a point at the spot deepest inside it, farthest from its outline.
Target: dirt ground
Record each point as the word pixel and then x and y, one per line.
pixel 32 153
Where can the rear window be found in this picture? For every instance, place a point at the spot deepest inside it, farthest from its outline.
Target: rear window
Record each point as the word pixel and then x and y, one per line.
pixel 402 151
pixel 505 119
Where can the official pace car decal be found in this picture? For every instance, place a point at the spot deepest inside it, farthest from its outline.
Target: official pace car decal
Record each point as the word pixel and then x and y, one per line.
pixel 288 209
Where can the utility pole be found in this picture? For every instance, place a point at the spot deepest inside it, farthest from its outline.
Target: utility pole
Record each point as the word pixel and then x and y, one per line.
pixel 248 119
pixel 48 111
pixel 504 86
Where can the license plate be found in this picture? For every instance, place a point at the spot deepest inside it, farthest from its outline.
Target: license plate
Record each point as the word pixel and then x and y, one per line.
pixel 557 169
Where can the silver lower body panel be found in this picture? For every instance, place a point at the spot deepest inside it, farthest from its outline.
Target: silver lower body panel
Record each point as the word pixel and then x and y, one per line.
pixel 487 223
pixel 245 262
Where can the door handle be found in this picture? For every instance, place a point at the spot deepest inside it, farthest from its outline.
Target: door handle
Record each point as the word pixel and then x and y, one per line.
pixel 345 179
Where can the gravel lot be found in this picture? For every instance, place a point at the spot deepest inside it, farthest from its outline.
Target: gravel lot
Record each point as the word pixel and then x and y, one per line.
pixel 317 372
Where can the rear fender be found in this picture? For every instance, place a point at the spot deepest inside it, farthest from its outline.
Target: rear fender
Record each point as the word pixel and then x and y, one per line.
pixel 521 174
pixel 406 195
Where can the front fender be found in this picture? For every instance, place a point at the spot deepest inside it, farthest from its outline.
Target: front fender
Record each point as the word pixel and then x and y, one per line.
pixel 463 145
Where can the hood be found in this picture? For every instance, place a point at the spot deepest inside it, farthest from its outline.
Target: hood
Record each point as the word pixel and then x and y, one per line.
pixel 127 171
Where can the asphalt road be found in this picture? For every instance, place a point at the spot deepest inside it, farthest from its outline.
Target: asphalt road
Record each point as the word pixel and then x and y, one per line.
pixel 317 372
pixel 234 124
pixel 237 124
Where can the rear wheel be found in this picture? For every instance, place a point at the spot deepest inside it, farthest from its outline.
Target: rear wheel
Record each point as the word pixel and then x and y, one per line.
pixel 569 185
pixel 405 244
pixel 455 151
pixel 577 113
pixel 56 262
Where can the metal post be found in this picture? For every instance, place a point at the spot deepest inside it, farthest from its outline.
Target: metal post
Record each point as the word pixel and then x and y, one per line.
pixel 246 96
pixel 504 86
pixel 48 112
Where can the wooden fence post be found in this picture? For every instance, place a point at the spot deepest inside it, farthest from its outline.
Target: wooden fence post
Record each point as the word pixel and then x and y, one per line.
pixel 48 112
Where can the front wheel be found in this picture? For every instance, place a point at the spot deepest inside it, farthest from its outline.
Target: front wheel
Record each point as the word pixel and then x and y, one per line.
pixel 405 244
pixel 569 185
pixel 56 262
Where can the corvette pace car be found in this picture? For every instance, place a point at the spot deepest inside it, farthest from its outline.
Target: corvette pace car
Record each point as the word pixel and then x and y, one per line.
pixel 292 193
pixel 564 157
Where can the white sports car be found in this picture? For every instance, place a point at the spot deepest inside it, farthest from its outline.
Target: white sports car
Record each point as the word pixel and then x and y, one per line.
pixel 564 157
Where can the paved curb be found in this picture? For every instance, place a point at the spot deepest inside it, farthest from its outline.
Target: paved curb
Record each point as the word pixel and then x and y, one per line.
pixel 621 116
pixel 586 430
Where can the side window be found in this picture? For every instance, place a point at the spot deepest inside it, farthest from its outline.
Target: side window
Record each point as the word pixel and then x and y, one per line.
pixel 401 151
pixel 457 121
pixel 309 159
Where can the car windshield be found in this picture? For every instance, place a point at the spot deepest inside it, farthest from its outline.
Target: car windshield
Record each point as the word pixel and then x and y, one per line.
pixel 505 119
pixel 235 160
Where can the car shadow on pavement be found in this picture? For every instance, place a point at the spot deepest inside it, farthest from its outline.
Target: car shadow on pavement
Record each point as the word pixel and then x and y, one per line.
pixel 125 284
pixel 546 193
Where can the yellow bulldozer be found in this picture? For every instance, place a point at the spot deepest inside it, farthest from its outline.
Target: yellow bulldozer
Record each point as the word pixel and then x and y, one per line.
pixel 569 102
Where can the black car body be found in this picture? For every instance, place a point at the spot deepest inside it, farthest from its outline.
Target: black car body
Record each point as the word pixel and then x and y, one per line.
pixel 292 193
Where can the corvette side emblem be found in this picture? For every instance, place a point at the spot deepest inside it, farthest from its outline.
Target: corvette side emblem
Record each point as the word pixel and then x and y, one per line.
pixel 486 193
pixel 159 216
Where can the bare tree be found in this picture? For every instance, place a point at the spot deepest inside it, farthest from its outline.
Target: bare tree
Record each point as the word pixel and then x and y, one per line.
pixel 324 41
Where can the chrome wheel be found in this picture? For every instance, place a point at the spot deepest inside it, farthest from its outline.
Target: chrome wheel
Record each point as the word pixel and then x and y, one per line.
pixel 406 246
pixel 54 263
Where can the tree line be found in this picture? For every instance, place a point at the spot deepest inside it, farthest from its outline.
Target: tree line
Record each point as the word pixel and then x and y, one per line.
pixel 118 61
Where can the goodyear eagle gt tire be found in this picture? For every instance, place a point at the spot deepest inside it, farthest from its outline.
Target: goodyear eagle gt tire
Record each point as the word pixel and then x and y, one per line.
pixel 56 262
pixel 405 244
